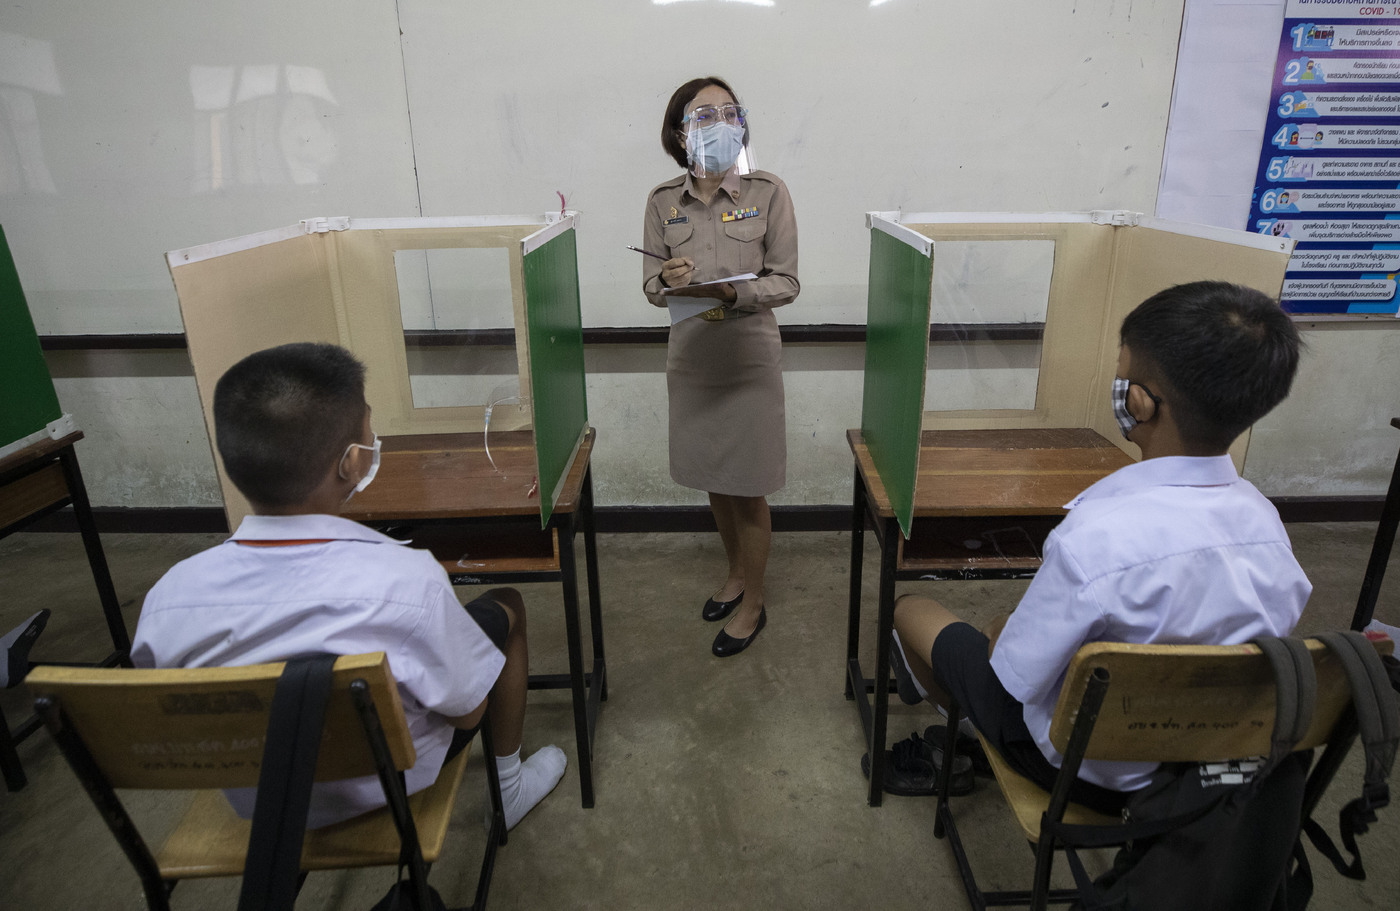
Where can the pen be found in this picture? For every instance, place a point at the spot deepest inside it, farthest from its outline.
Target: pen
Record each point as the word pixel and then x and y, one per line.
pixel 646 252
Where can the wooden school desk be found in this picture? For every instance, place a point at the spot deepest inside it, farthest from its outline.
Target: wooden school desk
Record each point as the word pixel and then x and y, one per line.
pixel 984 502
pixel 483 525
pixel 35 481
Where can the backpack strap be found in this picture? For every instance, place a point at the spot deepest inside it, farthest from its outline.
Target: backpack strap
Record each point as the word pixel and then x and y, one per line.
pixel 1295 693
pixel 272 871
pixel 1378 721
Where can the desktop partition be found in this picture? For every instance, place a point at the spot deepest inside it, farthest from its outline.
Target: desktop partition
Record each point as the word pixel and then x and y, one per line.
pixel 371 285
pixel 1051 289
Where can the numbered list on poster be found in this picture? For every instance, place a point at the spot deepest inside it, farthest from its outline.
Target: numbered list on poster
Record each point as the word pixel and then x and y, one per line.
pixel 1329 172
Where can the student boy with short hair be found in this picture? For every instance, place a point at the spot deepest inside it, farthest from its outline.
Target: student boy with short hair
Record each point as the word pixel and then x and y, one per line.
pixel 1176 548
pixel 293 428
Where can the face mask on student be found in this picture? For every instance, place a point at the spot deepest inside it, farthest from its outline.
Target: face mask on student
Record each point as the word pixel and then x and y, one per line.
pixel 373 464
pixel 1119 397
pixel 715 148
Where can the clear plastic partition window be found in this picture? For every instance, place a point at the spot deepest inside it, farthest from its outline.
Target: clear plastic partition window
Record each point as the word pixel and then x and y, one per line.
pixel 990 299
pixel 466 291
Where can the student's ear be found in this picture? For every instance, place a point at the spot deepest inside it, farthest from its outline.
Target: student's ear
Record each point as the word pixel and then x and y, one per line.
pixel 352 465
pixel 1141 405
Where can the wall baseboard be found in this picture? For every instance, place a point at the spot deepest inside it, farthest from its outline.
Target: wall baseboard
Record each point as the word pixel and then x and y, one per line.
pixel 646 519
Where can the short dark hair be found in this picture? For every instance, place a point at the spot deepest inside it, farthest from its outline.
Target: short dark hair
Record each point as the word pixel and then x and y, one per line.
pixel 1225 354
pixel 284 414
pixel 676 111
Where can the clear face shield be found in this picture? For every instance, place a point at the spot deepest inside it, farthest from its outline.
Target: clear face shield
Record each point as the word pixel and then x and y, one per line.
pixel 714 138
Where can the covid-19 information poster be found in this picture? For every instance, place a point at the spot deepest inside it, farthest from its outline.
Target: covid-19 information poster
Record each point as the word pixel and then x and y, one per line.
pixel 1329 172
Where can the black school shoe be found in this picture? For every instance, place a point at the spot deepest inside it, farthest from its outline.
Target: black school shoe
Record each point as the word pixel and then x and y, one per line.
pixel 912 768
pixel 968 747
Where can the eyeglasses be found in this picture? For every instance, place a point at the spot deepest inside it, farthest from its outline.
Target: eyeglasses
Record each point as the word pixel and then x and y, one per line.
pixel 709 115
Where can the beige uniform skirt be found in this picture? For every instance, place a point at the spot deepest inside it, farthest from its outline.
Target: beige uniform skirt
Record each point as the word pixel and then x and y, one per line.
pixel 724 381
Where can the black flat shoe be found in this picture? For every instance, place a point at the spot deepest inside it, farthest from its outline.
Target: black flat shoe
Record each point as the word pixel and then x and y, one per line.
pixel 718 610
pixel 726 645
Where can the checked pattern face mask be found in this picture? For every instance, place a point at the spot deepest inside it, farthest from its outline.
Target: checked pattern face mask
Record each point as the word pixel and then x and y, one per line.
pixel 1119 397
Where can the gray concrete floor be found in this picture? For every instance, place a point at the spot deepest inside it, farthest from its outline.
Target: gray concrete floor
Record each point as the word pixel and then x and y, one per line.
pixel 720 784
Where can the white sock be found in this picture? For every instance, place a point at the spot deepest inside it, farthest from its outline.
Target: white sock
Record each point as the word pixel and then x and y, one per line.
pixel 524 784
pixel 1392 631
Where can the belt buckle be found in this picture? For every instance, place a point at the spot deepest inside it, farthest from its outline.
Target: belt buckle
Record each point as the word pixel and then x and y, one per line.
pixel 713 315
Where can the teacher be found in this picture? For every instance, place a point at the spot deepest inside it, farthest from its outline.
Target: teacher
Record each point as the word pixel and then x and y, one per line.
pixel 724 375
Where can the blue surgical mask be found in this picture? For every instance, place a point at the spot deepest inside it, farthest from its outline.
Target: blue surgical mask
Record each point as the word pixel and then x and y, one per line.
pixel 373 464
pixel 715 148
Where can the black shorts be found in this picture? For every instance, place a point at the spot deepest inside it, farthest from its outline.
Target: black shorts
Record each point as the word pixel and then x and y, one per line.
pixel 962 666
pixel 492 619
pixel 495 623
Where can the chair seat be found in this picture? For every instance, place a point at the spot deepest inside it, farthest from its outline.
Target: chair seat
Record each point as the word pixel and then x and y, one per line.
pixel 1029 801
pixel 212 841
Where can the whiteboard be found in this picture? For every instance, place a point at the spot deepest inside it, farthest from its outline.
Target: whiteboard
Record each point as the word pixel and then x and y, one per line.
pixel 130 129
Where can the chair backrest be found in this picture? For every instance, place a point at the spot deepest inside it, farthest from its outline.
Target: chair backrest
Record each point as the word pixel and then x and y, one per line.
pixel 1192 703
pixel 204 727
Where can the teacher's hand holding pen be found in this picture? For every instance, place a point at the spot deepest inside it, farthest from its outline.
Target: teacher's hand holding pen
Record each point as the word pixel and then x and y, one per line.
pixel 676 273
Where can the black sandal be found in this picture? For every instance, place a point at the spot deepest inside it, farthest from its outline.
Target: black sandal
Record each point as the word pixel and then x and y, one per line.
pixel 913 766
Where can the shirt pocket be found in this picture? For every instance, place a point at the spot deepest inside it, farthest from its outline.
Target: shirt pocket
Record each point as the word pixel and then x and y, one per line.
pixel 746 243
pixel 677 237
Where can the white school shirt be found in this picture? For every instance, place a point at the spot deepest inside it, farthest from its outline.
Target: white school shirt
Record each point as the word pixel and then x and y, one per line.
pixel 360 591
pixel 1168 550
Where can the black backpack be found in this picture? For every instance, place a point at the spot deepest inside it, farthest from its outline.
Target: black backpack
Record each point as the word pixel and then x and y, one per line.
pixel 1227 835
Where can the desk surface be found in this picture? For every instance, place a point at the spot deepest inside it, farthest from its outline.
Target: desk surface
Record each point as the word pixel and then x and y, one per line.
pixel 448 476
pixel 38 451
pixel 997 472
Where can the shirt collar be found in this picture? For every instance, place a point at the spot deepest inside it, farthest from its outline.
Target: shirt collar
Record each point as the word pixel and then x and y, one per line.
pixel 1166 471
pixel 309 527
pixel 731 184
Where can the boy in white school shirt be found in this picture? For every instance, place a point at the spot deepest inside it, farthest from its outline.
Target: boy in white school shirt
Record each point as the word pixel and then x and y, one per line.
pixel 1176 548
pixel 293 429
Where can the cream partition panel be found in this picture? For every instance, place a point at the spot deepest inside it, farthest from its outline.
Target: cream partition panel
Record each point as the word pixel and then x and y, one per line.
pixel 363 267
pixel 334 280
pixel 241 296
pixel 1105 264
pixel 1072 328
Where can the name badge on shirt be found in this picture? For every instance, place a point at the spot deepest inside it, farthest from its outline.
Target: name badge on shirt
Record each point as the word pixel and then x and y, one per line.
pixel 678 220
pixel 738 214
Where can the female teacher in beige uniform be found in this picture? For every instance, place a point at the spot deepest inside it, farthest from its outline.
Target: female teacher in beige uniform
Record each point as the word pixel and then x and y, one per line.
pixel 724 367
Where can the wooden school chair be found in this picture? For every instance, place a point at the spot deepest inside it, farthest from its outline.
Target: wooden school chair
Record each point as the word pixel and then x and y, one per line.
pixel 203 730
pixel 1153 703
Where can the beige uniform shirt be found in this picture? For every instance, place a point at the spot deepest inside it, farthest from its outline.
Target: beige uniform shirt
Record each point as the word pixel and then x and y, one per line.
pixel 748 226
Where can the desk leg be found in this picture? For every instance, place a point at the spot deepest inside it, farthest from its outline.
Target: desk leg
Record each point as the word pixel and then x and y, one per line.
pixel 857 564
pixel 582 735
pixel 889 549
pixel 1380 553
pixel 595 599
pixel 10 766
pixel 97 560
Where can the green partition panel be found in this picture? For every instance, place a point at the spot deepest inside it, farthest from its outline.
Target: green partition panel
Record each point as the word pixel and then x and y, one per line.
pixel 556 361
pixel 896 358
pixel 29 403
